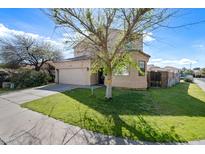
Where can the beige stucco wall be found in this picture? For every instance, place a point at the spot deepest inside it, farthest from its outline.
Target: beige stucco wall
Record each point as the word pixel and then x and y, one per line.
pixel 79 73
pixel 86 48
pixel 133 80
pixel 84 76
pixel 94 79
pixel 72 64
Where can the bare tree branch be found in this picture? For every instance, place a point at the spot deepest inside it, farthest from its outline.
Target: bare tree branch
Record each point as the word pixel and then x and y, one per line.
pixel 107 32
pixel 22 49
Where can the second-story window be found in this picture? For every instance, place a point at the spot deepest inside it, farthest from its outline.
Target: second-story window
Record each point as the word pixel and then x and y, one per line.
pixel 129 46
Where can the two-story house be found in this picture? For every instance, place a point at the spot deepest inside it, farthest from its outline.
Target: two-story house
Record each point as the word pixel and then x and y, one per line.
pixel 77 70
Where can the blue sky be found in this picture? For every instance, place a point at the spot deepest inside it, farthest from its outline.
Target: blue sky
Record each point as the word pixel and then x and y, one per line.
pixel 178 47
pixel 28 20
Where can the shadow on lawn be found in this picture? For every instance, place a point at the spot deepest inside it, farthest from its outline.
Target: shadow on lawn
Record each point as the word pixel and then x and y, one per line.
pixel 173 101
pixel 141 130
pixel 138 103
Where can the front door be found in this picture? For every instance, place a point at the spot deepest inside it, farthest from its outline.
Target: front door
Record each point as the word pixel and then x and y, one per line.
pixel 100 77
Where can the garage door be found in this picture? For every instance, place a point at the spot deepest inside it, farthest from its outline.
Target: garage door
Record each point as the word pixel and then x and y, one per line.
pixel 74 76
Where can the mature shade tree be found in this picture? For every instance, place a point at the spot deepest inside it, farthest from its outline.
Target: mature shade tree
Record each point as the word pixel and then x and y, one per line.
pixel 23 49
pixel 95 26
pixel 189 72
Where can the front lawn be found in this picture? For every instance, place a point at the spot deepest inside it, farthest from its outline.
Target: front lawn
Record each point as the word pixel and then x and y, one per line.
pixel 162 115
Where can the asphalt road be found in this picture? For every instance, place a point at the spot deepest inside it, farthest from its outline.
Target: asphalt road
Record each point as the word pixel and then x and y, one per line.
pixel 200 82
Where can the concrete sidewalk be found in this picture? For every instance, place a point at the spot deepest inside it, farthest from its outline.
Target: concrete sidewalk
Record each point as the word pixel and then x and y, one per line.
pixel 22 126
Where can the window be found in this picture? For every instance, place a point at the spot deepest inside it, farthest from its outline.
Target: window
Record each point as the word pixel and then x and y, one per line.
pixel 142 68
pixel 123 71
pixel 128 46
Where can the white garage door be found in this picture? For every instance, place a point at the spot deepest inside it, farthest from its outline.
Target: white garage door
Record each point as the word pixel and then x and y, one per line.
pixel 74 76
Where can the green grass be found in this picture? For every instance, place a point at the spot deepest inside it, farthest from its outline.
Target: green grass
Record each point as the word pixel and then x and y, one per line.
pixel 175 114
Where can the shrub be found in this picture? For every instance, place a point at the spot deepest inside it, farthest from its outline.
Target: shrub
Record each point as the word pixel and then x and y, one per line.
pixel 29 78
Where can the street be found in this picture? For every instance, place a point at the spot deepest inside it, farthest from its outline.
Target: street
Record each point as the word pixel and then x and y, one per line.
pixel 200 82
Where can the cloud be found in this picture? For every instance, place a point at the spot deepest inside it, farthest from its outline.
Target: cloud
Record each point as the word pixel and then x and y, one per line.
pixel 6 32
pixel 185 61
pixel 178 63
pixel 148 37
pixel 199 46
pixel 156 60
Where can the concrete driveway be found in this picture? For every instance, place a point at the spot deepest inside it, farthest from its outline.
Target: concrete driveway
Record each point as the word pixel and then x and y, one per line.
pixel 26 95
pixel 22 126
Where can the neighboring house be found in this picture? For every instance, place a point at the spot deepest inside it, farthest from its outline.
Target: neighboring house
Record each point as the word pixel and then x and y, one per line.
pixel 77 70
pixel 163 77
pixel 198 72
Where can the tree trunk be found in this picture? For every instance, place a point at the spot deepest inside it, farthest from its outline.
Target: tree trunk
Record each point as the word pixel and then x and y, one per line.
pixel 37 68
pixel 108 94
